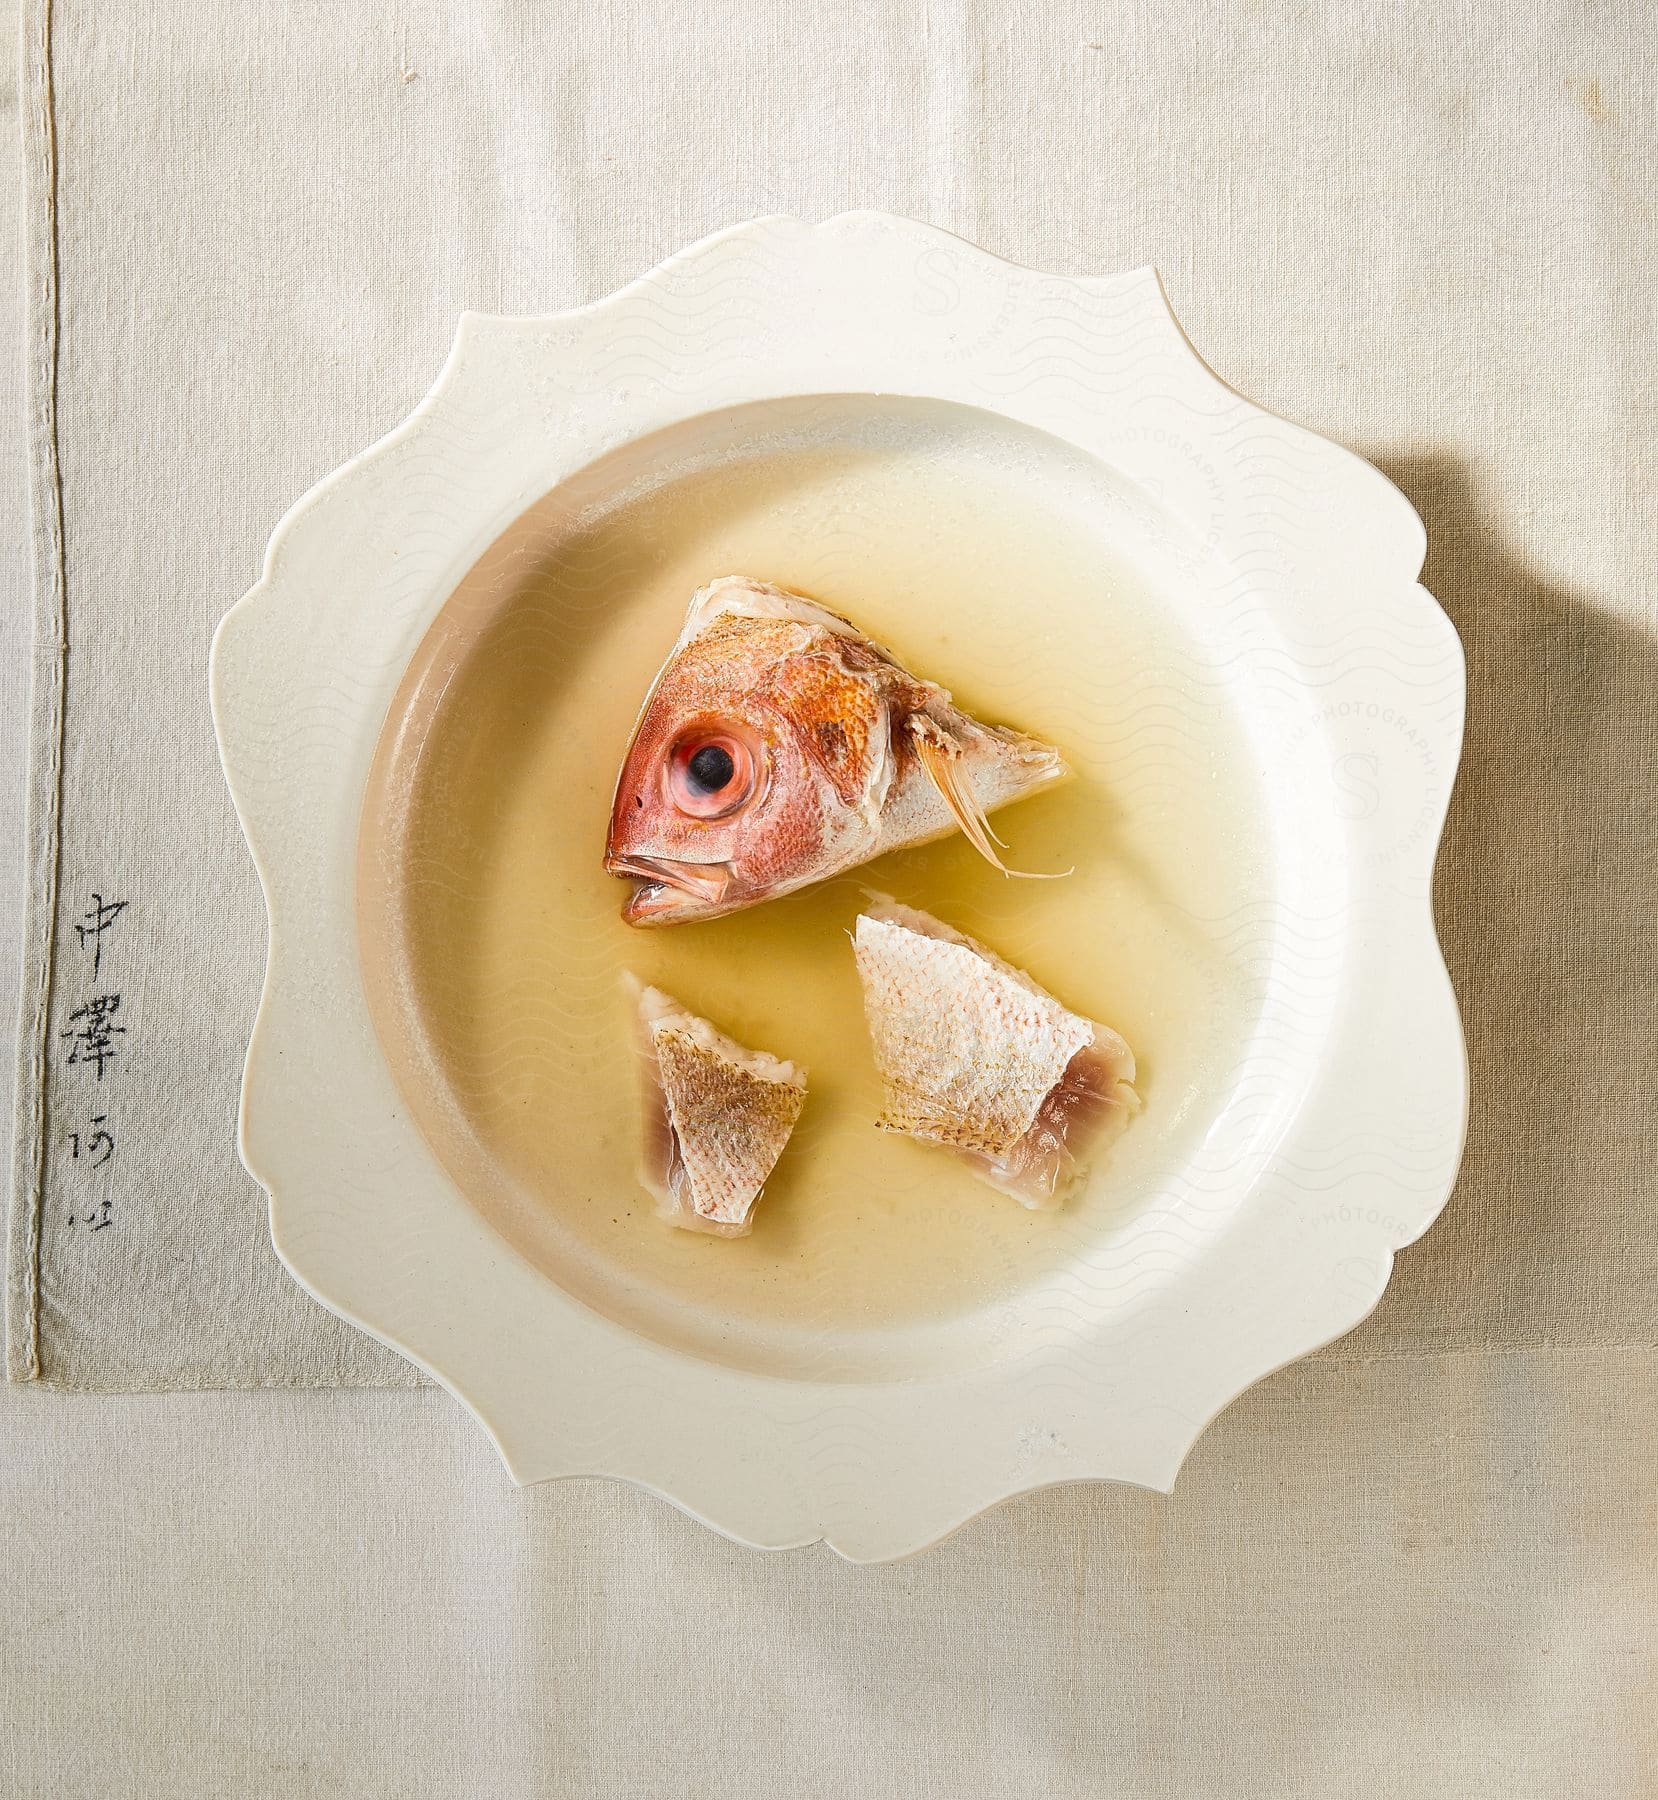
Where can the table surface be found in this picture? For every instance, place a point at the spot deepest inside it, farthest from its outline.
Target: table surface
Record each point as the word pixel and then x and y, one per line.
pixel 1422 1565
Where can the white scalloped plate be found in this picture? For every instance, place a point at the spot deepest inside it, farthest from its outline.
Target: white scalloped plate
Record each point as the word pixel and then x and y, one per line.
pixel 1334 1141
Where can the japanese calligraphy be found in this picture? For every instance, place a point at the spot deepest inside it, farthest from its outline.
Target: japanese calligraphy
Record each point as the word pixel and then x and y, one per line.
pixel 94 1031
pixel 97 1146
pixel 94 922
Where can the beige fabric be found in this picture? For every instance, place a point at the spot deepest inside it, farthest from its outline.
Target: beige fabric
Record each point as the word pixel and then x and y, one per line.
pixel 1432 1580
pixel 16 584
pixel 1401 1573
pixel 1425 232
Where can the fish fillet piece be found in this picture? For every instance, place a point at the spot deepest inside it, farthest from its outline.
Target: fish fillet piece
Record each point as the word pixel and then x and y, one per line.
pixel 717 1117
pixel 975 1056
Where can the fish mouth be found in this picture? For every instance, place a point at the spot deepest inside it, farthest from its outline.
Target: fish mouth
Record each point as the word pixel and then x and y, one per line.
pixel 666 886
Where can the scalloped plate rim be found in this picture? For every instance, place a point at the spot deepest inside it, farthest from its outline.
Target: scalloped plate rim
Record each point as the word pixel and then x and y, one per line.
pixel 471 327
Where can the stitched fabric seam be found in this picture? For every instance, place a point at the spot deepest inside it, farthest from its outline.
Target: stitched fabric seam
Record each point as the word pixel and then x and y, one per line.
pixel 50 635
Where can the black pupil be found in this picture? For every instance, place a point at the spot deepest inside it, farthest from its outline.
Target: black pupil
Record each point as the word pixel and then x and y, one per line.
pixel 710 768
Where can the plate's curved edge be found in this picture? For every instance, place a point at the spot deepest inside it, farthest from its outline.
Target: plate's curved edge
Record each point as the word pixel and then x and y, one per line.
pixel 1418 531
pixel 757 230
pixel 222 664
pixel 882 1537
pixel 390 1340
pixel 1408 530
pixel 473 327
pixel 1430 943
pixel 879 1538
pixel 894 1536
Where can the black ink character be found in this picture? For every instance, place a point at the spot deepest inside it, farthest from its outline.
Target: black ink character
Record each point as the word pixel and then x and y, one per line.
pixel 94 922
pixel 96 1146
pixel 95 1034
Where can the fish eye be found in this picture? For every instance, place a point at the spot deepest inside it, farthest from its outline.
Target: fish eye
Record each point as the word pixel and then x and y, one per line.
pixel 710 773
pixel 710 768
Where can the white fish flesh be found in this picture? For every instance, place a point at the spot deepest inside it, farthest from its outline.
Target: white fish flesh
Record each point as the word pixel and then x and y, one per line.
pixel 975 1056
pixel 717 1117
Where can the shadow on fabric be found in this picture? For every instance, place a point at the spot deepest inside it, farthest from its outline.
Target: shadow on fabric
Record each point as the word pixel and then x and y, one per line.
pixel 1544 900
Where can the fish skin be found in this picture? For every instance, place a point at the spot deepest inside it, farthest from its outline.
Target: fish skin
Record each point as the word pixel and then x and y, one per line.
pixel 841 736
pixel 717 1116
pixel 978 1058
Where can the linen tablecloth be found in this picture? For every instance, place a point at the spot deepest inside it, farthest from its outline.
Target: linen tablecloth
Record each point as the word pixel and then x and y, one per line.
pixel 1419 1564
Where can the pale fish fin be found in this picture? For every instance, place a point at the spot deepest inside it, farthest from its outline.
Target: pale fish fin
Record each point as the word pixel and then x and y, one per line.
pixel 940 757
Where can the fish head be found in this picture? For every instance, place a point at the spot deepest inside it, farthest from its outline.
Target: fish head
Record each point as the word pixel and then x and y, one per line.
pixel 758 764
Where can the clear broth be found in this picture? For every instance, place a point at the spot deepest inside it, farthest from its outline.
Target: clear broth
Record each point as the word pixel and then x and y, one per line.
pixel 985 558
